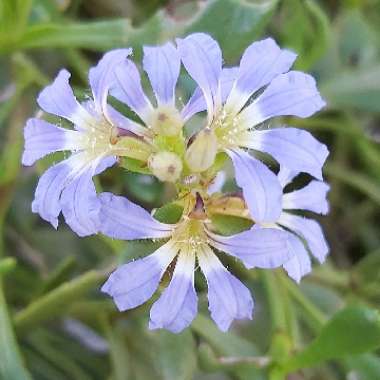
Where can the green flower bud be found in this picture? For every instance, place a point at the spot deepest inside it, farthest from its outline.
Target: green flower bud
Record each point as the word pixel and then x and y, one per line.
pixel 166 166
pixel 166 121
pixel 201 153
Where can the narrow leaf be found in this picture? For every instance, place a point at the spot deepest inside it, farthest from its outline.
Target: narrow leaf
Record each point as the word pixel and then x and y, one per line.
pixel 233 23
pixel 11 365
pixel 176 356
pixel 57 301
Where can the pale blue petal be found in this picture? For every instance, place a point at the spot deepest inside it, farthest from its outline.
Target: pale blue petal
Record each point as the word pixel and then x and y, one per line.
pixel 122 122
pixel 80 204
pixel 134 283
pixel 43 138
pixel 293 148
pixel 178 304
pixel 104 164
pixel 122 219
pixel 228 298
pixel 261 62
pixel 257 247
pixel 58 98
pixel 290 94
pixel 309 230
pixel 202 58
pixel 101 77
pixel 162 64
pixel 285 175
pixel 128 89
pixel 197 102
pixel 217 183
pixel 300 264
pixel 261 188
pixel 312 197
pixel 48 192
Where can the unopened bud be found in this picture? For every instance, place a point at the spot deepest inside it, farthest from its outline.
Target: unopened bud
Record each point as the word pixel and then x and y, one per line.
pixel 201 153
pixel 167 121
pixel 166 166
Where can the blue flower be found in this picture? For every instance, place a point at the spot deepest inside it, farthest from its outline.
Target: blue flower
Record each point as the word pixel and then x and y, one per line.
pixel 234 119
pixel 189 240
pixel 67 186
pixel 101 134
pixel 305 232
pixel 238 101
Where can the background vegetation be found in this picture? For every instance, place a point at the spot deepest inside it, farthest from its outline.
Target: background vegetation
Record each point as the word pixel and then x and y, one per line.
pixel 55 324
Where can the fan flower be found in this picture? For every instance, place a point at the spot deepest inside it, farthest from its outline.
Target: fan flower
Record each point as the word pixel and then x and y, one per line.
pixel 304 235
pixel 188 240
pixel 101 134
pixel 234 119
pixel 162 65
pixel 305 232
pixel 97 139
pixel 161 122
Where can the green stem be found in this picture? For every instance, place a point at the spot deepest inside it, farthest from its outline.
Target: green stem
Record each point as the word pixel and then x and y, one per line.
pixel 313 312
pixel 355 180
pixel 291 317
pixel 11 363
pixel 280 344
pixel 341 126
pixel 332 277
pixel 275 302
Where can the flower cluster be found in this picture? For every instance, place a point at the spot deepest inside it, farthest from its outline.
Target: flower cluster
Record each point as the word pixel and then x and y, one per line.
pixel 237 103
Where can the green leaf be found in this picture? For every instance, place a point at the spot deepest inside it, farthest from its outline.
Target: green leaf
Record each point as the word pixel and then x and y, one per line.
pixel 354 330
pixel 14 16
pixel 137 248
pixel 98 35
pixel 119 354
pixel 305 29
pixel 355 179
pixel 227 344
pixel 60 274
pixel 57 301
pixel 57 357
pixel 355 88
pixel 367 269
pixel 7 265
pixel 233 23
pixel 40 367
pixel 176 355
pixel 169 213
pixel 356 40
pixel 11 365
pixel 230 225
pixel 145 189
pixel 143 352
pixel 365 367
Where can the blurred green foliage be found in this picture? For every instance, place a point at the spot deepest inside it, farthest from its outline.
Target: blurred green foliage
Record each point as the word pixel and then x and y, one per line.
pixel 55 324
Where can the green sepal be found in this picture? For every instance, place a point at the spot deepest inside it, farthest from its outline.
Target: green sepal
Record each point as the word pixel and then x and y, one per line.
pixel 175 144
pixel 218 165
pixel 170 213
pixel 134 165
pixel 230 225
